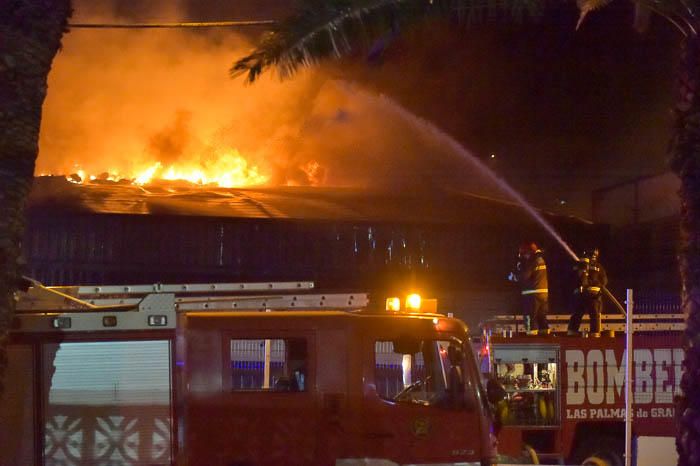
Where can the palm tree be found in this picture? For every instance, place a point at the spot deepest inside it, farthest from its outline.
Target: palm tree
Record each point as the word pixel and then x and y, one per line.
pixel 332 28
pixel 30 36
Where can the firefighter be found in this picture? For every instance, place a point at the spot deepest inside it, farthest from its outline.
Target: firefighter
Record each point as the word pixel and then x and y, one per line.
pixel 531 273
pixel 588 296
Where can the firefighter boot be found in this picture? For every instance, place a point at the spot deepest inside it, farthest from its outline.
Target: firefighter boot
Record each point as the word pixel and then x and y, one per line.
pixel 595 322
pixel 572 329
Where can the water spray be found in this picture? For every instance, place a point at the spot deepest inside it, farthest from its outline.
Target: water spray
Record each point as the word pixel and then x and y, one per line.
pixel 388 104
pixel 422 124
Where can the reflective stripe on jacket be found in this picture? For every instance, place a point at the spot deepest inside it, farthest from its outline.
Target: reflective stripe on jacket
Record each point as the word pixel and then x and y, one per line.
pixel 588 289
pixel 537 291
pixel 592 278
pixel 532 276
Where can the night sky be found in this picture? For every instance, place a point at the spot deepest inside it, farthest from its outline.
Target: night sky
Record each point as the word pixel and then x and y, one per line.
pixel 563 111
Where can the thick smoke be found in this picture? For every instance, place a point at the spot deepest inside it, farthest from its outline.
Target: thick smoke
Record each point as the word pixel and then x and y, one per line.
pixel 563 113
pixel 119 101
pixel 171 143
pixel 122 100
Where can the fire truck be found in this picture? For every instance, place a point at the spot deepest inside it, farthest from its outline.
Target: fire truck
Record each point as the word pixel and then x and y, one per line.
pixel 238 374
pixel 565 395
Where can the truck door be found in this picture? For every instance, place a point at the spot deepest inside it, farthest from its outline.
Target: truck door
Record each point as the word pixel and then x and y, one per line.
pixel 266 413
pixel 412 417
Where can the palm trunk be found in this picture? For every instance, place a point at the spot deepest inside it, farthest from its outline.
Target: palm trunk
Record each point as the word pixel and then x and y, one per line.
pixel 685 161
pixel 30 36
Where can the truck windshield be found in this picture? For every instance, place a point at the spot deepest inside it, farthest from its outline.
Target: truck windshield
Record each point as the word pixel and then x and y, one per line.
pixel 420 376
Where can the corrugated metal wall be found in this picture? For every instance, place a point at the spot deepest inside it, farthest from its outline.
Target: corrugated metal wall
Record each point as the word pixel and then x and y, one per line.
pixel 90 249
pixel 99 249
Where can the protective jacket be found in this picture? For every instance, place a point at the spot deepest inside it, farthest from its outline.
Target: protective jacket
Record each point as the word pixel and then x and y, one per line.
pixel 531 273
pixel 592 278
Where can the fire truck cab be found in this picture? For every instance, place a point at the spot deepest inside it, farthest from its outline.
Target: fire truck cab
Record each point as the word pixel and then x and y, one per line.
pixel 565 395
pixel 237 374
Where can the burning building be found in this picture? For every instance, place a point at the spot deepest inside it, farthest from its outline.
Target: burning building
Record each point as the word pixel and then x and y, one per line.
pixel 316 179
pixel 457 246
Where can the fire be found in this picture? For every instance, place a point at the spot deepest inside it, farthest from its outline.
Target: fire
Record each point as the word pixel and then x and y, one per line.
pixel 314 172
pixel 226 168
pixel 146 176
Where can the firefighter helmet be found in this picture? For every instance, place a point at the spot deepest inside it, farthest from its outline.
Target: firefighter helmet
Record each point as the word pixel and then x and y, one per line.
pixel 527 247
pixel 592 254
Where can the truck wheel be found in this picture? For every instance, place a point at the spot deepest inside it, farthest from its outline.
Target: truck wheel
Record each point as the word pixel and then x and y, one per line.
pixel 600 451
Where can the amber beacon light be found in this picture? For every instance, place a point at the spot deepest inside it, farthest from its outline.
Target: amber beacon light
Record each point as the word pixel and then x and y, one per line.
pixel 413 302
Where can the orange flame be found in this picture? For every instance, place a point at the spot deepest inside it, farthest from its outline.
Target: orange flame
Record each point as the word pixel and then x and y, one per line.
pixel 128 120
pixel 314 172
pixel 228 170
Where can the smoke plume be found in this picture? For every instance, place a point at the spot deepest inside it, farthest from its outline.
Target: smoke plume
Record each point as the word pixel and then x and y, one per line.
pixel 120 101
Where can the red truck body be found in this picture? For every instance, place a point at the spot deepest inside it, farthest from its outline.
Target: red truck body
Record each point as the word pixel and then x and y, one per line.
pixel 566 394
pixel 161 380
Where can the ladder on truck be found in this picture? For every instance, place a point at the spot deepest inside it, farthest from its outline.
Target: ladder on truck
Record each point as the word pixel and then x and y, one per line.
pixel 141 307
pixel 509 325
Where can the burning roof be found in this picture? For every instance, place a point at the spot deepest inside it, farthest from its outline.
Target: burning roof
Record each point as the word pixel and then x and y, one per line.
pixel 298 203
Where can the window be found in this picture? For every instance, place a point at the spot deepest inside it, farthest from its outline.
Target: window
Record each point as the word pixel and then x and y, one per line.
pixel 417 371
pixel 529 376
pixel 272 364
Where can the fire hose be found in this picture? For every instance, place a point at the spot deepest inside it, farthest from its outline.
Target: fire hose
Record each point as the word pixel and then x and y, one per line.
pixel 614 300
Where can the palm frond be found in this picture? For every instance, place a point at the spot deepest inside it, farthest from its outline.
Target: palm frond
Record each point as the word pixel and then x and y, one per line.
pixel 682 14
pixel 324 28
pixel 319 29
pixel 587 6
pixel 642 16
pixel 473 11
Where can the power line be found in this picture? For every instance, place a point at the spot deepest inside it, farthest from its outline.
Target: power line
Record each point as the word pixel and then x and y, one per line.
pixel 203 24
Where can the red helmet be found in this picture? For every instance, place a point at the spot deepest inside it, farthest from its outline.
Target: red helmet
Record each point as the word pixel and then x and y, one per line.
pixel 527 248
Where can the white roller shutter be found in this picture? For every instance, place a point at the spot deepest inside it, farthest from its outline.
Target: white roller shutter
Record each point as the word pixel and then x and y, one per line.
pixel 107 403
